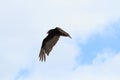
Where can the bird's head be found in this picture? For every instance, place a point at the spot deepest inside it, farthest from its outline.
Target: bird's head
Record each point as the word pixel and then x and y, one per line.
pixel 50 31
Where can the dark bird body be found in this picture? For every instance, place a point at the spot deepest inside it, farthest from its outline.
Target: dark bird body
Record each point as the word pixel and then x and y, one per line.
pixel 51 39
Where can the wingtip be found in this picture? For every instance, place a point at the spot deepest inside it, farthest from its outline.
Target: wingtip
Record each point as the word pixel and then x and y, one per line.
pixel 70 37
pixel 42 56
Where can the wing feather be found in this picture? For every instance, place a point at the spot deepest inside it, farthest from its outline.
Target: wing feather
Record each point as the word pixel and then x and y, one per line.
pixel 47 47
pixel 42 55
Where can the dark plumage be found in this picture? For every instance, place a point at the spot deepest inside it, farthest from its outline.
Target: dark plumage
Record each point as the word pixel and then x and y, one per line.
pixel 50 41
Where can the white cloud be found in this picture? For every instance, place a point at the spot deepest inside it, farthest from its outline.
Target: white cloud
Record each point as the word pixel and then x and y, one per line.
pixel 108 70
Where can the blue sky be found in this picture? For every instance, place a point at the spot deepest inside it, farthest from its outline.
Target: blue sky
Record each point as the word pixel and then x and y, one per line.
pixel 93 53
pixel 97 43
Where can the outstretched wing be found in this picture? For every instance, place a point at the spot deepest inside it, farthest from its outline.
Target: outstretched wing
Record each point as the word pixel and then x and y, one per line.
pixel 47 46
pixel 62 32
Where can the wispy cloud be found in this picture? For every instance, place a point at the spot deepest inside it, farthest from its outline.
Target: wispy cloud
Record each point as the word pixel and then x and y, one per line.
pixel 23 73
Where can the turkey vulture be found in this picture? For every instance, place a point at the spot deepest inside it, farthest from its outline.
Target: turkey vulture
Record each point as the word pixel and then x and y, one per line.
pixel 50 41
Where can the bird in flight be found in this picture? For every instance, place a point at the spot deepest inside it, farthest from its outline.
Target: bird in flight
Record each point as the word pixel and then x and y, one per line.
pixel 51 39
